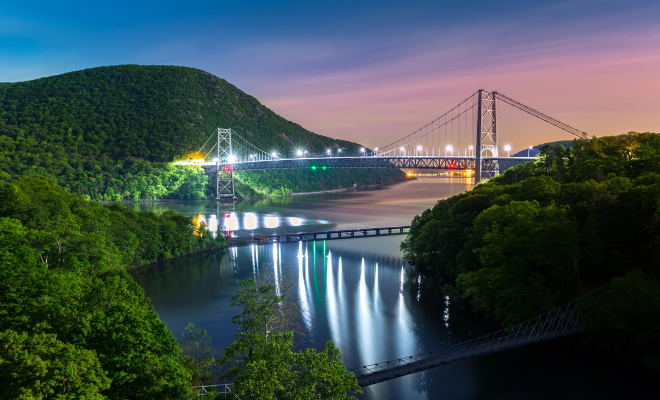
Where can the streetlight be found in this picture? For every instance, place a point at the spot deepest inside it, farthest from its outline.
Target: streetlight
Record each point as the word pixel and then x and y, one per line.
pixel 362 151
pixel 328 151
pixel 419 149
pixel 449 149
pixel 375 151
pixel 231 159
pixel 299 153
pixel 471 148
pixel 338 151
pixel 403 150
pixel 507 148
pixel 528 149
pixel 273 154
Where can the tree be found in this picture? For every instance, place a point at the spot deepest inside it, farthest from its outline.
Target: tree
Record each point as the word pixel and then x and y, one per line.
pixel 197 355
pixel 35 366
pixel 261 360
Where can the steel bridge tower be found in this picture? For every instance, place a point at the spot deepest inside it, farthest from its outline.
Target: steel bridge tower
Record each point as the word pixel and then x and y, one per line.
pixel 224 175
pixel 486 136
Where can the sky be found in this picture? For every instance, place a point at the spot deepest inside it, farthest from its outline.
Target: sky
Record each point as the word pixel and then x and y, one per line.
pixel 371 71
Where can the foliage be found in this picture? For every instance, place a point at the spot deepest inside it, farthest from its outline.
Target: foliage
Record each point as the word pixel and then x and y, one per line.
pixel 261 360
pixel 197 355
pixel 109 133
pixel 73 323
pixel 541 234
pixel 283 182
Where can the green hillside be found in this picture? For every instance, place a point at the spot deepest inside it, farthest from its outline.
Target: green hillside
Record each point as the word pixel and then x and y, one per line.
pixel 108 133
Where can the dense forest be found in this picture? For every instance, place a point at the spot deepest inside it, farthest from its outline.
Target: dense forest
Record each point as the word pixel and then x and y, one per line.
pixel 543 233
pixel 73 323
pixel 109 133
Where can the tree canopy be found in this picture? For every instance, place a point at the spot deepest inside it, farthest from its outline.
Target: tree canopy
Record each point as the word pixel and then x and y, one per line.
pixel 261 360
pixel 540 234
pixel 73 323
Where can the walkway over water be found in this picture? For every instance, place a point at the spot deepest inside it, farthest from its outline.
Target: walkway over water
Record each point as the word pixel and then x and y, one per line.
pixel 562 321
pixel 320 235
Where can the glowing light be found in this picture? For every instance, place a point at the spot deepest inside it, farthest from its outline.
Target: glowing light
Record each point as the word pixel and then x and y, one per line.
pixel 273 154
pixel 213 223
pixel 299 153
pixel 250 221
pixel 231 159
pixel 295 221
pixel 230 222
pixel 271 221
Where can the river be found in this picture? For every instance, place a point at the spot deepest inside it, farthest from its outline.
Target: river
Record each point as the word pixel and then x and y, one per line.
pixel 359 293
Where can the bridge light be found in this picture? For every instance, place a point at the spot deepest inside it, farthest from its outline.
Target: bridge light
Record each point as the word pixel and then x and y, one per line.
pixel 273 154
pixel 231 159
pixel 227 168
pixel 452 165
pixel 324 167
pixel 507 148
pixel 313 167
pixel 362 150
pixel 299 153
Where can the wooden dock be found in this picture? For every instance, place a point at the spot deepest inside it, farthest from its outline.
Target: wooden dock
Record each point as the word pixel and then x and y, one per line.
pixel 320 235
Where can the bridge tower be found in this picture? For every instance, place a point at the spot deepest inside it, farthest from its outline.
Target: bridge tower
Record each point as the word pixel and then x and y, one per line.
pixel 224 171
pixel 486 136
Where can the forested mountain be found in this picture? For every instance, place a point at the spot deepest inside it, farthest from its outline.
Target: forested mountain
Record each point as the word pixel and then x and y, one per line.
pixel 108 132
pixel 543 233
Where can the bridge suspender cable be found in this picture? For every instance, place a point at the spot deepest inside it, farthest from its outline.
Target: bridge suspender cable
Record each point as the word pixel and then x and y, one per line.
pixel 541 116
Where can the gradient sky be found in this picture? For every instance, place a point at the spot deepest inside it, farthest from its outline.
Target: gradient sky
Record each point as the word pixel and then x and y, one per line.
pixel 371 71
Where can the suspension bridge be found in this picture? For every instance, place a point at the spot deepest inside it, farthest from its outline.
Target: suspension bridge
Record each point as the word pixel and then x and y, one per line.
pixel 464 138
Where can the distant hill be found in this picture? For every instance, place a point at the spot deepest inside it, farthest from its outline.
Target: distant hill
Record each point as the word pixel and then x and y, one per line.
pixel 102 128
pixel 537 149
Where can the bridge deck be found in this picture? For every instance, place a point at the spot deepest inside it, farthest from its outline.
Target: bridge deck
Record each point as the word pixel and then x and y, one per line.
pixel 319 235
pixel 414 364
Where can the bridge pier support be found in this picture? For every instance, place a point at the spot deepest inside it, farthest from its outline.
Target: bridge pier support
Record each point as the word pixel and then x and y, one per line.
pixel 486 136
pixel 224 183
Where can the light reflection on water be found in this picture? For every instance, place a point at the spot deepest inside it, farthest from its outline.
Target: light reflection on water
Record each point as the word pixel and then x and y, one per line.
pixel 359 293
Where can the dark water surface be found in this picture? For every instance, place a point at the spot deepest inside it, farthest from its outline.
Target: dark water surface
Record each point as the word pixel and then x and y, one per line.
pixel 360 294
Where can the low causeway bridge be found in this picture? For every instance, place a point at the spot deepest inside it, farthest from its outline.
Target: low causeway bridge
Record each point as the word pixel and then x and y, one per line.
pixel 319 235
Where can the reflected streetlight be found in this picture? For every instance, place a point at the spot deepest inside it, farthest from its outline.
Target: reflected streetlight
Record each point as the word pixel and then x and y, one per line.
pixel 507 148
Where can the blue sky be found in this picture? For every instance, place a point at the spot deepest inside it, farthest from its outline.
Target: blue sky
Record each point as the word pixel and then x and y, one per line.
pixel 371 70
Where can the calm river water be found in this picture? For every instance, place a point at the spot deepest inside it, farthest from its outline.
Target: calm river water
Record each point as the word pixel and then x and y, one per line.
pixel 360 294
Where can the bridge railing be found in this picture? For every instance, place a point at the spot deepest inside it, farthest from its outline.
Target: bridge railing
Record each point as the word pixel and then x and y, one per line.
pixel 562 321
pixel 221 389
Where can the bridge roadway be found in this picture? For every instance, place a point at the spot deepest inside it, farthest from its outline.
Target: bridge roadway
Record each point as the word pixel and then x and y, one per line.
pixel 410 162
pixel 320 235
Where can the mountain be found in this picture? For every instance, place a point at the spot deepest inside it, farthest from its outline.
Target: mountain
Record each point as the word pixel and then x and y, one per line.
pixel 534 150
pixel 108 132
